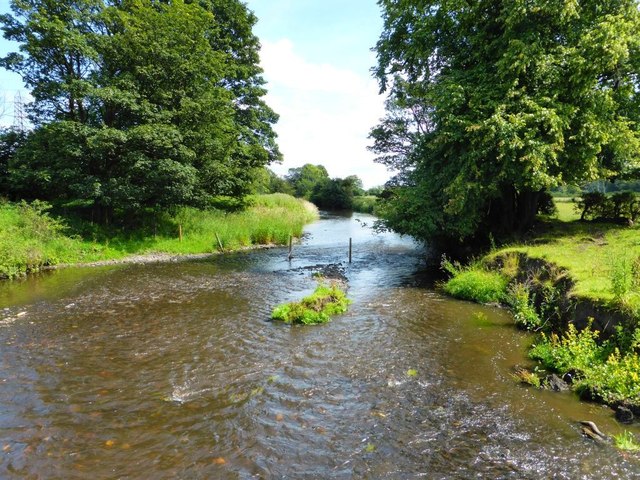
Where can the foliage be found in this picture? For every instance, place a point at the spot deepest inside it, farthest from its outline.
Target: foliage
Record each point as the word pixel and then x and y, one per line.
pixel 602 371
pixel 524 311
pixel 139 105
pixel 266 181
pixel 10 141
pixel 491 103
pixel 30 238
pixel 575 351
pixel 325 302
pixel 304 179
pixel 337 193
pixel 364 204
pixel 626 441
pixel 478 284
pixel 599 206
pixel 313 183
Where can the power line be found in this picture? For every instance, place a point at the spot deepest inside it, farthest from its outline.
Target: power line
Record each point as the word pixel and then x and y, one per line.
pixel 19 115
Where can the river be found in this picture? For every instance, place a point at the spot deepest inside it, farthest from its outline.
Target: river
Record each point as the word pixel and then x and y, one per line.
pixel 174 370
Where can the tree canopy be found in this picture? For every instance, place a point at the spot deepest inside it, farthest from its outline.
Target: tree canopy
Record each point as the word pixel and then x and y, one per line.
pixel 139 104
pixel 492 102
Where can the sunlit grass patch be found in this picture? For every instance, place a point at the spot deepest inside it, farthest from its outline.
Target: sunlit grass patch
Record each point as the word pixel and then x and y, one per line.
pixel 626 441
pixel 477 284
pixel 31 238
pixel 325 302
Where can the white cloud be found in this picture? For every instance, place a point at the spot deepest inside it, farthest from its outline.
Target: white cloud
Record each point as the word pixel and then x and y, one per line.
pixel 325 113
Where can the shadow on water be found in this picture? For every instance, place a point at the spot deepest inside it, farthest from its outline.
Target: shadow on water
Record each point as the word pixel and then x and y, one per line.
pixel 175 371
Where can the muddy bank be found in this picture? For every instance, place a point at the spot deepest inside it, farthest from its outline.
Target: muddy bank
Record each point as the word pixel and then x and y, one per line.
pixel 587 346
pixel 551 288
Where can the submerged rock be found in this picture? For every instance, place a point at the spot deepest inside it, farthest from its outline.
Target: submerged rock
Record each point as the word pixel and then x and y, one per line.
pixel 555 383
pixel 624 414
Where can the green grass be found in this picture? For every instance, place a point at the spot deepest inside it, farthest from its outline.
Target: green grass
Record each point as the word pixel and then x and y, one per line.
pixel 566 209
pixel 595 255
pixel 365 204
pixel 626 441
pixel 477 284
pixel 603 262
pixel 325 302
pixel 30 238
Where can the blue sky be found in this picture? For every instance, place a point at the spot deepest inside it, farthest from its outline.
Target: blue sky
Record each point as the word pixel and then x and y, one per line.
pixel 317 58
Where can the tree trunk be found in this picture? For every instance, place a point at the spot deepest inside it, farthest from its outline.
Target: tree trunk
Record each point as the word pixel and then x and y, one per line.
pixel 527 207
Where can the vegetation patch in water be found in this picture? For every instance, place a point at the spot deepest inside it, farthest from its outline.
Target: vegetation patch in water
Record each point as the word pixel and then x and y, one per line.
pixel 325 302
pixel 626 441
pixel 475 283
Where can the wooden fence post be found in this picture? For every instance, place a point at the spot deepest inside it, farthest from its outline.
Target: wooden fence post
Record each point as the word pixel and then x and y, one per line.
pixel 219 243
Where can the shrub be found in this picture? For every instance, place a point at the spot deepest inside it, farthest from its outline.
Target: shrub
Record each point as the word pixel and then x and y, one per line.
pixel 592 205
pixel 524 311
pixel 575 351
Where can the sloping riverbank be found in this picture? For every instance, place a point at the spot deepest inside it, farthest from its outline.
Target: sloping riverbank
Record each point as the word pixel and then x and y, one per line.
pixel 31 239
pixel 577 286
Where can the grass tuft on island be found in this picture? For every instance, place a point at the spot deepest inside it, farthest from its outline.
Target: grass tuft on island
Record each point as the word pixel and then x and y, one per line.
pixel 325 302
pixel 32 238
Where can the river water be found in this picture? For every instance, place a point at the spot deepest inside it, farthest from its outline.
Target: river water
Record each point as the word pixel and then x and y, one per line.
pixel 174 370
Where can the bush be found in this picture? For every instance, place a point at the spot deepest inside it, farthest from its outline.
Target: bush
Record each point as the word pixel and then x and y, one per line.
pixel 602 372
pixel 573 352
pixel 618 207
pixel 524 311
pixel 592 205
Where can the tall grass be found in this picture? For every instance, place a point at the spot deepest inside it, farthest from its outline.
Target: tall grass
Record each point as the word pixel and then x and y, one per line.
pixel 270 219
pixel 365 204
pixel 30 238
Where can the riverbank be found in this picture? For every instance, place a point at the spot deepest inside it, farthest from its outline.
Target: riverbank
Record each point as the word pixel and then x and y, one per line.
pixel 31 239
pixel 577 285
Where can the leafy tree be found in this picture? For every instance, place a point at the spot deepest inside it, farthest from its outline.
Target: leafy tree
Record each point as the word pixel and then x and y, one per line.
pixel 337 193
pixel 492 102
pixel 267 181
pixel 304 179
pixel 10 141
pixel 375 191
pixel 140 104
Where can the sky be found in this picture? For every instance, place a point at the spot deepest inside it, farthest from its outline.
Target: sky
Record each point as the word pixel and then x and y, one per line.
pixel 316 56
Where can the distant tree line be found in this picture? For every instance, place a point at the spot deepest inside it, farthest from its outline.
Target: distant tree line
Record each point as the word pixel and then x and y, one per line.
pixel 313 183
pixel 139 105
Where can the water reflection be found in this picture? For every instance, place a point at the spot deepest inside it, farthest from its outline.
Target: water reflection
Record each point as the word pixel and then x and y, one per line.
pixel 175 371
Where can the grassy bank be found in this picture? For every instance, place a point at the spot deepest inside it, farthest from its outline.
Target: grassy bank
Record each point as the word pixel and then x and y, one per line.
pixel 31 238
pixel 365 204
pixel 564 265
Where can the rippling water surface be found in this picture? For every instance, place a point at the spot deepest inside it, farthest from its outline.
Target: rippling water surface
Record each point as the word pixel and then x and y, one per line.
pixel 175 371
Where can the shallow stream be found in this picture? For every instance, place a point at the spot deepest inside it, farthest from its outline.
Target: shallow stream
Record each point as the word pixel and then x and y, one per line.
pixel 174 370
